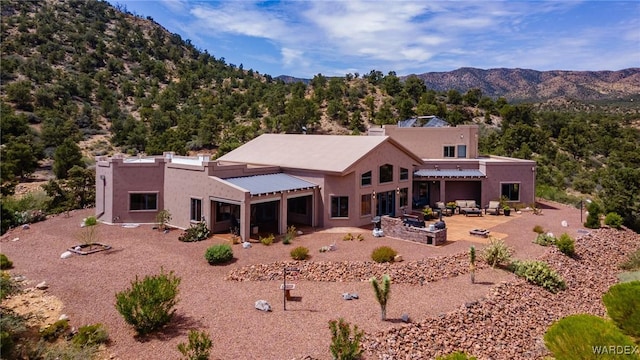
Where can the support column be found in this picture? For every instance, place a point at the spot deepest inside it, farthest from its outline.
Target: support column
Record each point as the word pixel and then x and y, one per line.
pixel 282 219
pixel 443 191
pixel 245 218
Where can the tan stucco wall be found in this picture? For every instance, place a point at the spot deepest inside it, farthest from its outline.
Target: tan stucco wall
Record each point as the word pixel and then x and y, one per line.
pixel 428 143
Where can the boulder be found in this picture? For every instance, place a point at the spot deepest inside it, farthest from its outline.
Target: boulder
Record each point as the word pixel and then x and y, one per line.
pixel 66 255
pixel 398 258
pixel 63 317
pixel 26 227
pixel 263 305
pixel 42 286
pixel 246 245
pixel 405 318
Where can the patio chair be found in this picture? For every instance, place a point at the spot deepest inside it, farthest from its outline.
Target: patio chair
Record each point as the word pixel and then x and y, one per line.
pixel 493 208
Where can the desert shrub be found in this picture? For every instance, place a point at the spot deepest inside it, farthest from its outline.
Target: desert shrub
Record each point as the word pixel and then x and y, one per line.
pixel 90 335
pixel 383 254
pixel 90 221
pixel 300 253
pixel 54 331
pixel 614 220
pixel 345 342
pixel 197 232
pixel 8 286
pixel 566 245
pixel 12 329
pixel 623 306
pixel 458 355
pixel 593 218
pixel 162 218
pixel 496 252
pixel 348 237
pixel 267 240
pixel 290 235
pixel 538 229
pixel 632 262
pixel 539 273
pixel 360 237
pixel 219 254
pixel 149 304
pixel 5 263
pixel 545 239
pixel 198 347
pixel 584 336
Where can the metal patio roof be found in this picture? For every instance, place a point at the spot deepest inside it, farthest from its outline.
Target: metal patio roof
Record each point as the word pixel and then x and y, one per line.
pixel 450 173
pixel 270 183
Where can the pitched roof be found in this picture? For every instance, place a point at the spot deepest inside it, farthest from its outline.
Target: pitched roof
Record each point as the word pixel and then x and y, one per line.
pixel 331 153
pixel 270 183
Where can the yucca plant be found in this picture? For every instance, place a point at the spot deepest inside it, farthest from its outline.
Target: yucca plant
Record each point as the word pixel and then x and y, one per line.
pixel 382 293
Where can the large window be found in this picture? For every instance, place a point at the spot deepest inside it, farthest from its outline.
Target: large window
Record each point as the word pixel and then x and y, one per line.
pixel 143 201
pixel 404 197
pixel 297 205
pixel 404 174
pixel 365 205
pixel 365 179
pixel 386 173
pixel 196 210
pixel 339 206
pixel 449 151
pixel 462 151
pixel 511 191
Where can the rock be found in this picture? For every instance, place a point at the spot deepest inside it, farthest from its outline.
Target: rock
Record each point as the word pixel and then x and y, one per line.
pixel 63 317
pixel 333 247
pixel 26 227
pixel 299 232
pixel 66 255
pixel 42 286
pixel 246 245
pixel 405 317
pixel 15 239
pixel 398 258
pixel 19 278
pixel 347 296
pixel 263 305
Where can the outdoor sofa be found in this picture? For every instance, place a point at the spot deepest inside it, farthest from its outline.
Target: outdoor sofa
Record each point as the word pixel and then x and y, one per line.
pixel 465 206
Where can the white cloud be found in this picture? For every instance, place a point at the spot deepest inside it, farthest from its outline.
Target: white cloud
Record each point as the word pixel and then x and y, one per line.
pixel 176 6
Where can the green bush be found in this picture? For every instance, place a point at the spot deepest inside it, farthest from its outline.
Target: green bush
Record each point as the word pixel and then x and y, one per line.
pixel 585 336
pixel 219 254
pixel 198 347
pixel 149 304
pixel 345 342
pixel 593 219
pixel 13 328
pixel 91 335
pixel 623 306
pixel 54 331
pixel 539 273
pixel 458 355
pixel 300 253
pixel 545 239
pixel 5 263
pixel 566 245
pixel 538 229
pixel 614 220
pixel 632 262
pixel 8 286
pixel 90 221
pixel 496 252
pixel 267 240
pixel 197 232
pixel 383 254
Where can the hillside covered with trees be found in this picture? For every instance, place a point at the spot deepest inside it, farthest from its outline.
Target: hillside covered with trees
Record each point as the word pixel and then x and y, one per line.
pixel 83 78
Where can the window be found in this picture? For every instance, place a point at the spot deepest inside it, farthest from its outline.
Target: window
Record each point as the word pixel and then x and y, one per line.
pixel 196 210
pixel 339 206
pixel 404 174
pixel 404 197
pixel 365 205
pixel 449 151
pixel 462 151
pixel 223 211
pixel 511 191
pixel 386 173
pixel 365 179
pixel 297 205
pixel 143 201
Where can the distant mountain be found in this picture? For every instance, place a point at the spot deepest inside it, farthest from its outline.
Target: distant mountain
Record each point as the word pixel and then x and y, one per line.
pixel 535 86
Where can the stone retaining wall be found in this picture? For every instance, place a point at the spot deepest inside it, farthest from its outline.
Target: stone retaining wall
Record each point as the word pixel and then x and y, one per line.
pixel 394 227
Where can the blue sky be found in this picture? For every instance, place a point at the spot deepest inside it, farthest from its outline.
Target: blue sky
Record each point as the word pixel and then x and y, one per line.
pixel 304 38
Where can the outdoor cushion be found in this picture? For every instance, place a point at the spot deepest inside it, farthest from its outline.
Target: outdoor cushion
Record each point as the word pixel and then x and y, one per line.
pixel 493 208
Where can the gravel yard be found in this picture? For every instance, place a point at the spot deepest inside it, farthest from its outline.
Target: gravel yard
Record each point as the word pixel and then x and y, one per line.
pixel 499 317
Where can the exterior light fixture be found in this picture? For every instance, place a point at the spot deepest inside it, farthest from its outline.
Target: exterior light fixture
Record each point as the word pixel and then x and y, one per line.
pixel 374 194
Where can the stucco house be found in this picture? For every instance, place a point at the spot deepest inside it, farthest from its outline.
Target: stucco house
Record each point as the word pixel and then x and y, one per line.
pixel 276 180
